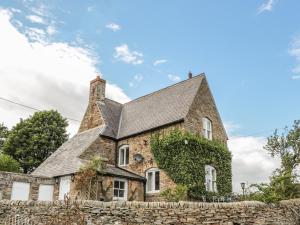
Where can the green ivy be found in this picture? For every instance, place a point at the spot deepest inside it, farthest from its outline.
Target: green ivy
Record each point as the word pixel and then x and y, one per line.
pixel 183 157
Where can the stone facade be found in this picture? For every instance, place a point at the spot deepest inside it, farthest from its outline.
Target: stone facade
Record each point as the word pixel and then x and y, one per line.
pixel 7 179
pixel 140 144
pixel 156 213
pixel 204 106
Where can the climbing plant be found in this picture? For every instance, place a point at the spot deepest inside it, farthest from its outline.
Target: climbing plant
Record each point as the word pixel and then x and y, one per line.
pixel 183 157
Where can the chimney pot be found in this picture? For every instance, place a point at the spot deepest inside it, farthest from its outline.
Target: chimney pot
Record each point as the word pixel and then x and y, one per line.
pixel 190 75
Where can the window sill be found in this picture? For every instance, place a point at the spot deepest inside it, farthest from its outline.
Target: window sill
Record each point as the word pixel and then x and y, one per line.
pixel 152 192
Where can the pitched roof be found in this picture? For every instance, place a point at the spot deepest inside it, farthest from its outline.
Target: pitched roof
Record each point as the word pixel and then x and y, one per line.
pixel 65 160
pixel 159 108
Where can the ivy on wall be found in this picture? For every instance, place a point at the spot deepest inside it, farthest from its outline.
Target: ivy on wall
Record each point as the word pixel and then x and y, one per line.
pixel 183 157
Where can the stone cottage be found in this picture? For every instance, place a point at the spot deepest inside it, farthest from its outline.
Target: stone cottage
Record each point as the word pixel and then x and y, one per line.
pixel 120 135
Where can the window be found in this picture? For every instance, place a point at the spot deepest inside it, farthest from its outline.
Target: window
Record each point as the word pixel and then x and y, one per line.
pixel 20 191
pixel 124 155
pixel 120 189
pixel 64 187
pixel 207 128
pixel 45 192
pixel 153 181
pixel 210 178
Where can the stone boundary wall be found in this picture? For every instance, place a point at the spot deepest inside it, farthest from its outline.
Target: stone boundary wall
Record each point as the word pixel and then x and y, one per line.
pixel 154 213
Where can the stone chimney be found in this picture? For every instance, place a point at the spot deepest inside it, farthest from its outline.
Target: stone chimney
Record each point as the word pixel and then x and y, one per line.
pixel 97 90
pixel 190 75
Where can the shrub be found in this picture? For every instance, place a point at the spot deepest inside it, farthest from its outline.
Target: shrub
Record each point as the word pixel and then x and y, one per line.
pixel 179 193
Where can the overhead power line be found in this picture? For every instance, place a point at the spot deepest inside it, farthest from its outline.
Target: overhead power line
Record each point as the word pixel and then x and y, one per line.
pixel 32 108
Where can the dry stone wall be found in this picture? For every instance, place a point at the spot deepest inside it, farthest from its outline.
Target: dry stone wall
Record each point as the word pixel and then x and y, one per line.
pixel 133 213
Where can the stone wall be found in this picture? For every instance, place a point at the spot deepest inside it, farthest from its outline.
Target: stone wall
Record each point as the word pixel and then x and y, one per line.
pixel 204 106
pixel 133 213
pixel 7 179
pixel 141 144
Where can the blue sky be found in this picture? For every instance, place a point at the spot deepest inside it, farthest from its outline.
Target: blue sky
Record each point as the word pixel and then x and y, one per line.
pixel 249 50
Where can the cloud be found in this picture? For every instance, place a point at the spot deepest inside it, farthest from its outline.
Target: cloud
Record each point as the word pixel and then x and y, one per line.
pixel 294 51
pixel 113 26
pixel 231 127
pixel 136 79
pixel 174 78
pixel 160 61
pixel 45 75
pixel 267 6
pixel 123 53
pixel 51 30
pixel 90 8
pixel 250 162
pixel 36 19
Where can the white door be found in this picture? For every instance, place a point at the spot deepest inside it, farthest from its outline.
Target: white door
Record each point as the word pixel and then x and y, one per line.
pixel 45 192
pixel 64 187
pixel 20 191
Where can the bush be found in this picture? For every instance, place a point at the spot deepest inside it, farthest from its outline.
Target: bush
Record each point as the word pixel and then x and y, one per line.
pixel 179 193
pixel 8 164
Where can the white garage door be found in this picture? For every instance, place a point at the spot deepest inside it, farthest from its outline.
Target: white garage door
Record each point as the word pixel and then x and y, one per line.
pixel 45 192
pixel 64 186
pixel 20 191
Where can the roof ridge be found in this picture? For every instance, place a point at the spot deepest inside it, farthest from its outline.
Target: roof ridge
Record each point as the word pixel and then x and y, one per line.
pixel 114 101
pixel 154 92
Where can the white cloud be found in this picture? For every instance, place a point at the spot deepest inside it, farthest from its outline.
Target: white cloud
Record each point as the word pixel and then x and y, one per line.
pixel 295 52
pixel 123 53
pixel 45 75
pixel 138 78
pixel 51 30
pixel 160 61
pixel 250 162
pixel 267 6
pixel 113 26
pixel 174 78
pixel 231 127
pixel 90 8
pixel 36 19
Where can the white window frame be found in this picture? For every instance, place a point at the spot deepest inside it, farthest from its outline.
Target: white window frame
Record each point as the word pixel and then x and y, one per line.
pixel 20 191
pixel 207 128
pixel 124 148
pixel 210 178
pixel 153 172
pixel 47 189
pixel 62 192
pixel 117 198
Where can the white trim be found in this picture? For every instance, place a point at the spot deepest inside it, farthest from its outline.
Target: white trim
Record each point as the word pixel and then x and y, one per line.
pixel 207 128
pixel 153 171
pixel 125 189
pixel 210 178
pixel 124 148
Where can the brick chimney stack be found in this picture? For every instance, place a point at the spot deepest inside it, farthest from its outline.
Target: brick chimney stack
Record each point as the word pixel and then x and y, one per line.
pixel 97 89
pixel 190 75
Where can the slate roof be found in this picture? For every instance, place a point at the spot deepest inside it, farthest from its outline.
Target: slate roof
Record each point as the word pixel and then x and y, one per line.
pixel 65 160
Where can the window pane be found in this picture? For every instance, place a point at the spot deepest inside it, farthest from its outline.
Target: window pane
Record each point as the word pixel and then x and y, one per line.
pixel 127 156
pixel 116 184
pixel 121 193
pixel 149 181
pixel 121 156
pixel 122 185
pixel 115 192
pixel 157 180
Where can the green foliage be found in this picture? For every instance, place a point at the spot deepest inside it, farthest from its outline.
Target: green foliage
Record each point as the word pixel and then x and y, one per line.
pixel 32 140
pixel 8 164
pixel 179 193
pixel 3 134
pixel 184 156
pixel 283 183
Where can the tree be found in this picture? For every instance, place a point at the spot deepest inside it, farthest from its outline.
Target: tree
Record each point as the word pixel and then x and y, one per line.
pixel 8 164
pixel 33 140
pixel 3 134
pixel 283 183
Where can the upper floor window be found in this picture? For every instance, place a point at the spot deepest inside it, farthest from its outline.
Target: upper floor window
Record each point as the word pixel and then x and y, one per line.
pixel 210 178
pixel 207 128
pixel 120 189
pixel 124 155
pixel 153 180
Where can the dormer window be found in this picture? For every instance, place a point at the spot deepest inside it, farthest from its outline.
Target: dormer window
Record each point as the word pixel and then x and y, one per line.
pixel 124 155
pixel 207 128
pixel 210 178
